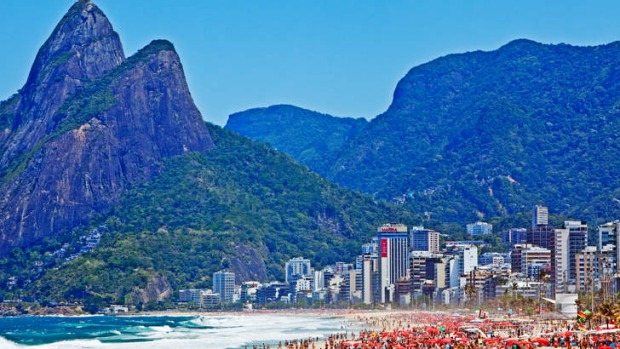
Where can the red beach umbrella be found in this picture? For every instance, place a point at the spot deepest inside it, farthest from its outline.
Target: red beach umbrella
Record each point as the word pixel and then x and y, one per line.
pixel 541 341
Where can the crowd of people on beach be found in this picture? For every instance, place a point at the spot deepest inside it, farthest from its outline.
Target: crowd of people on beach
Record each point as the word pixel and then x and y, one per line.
pixel 418 330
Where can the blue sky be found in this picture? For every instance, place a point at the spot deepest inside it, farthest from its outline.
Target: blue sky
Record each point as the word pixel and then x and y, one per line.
pixel 341 57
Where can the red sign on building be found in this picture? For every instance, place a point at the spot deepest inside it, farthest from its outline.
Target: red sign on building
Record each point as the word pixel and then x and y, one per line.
pixel 384 247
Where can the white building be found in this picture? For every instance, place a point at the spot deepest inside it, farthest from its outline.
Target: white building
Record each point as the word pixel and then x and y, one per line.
pixel 560 263
pixel 370 278
pixel 468 258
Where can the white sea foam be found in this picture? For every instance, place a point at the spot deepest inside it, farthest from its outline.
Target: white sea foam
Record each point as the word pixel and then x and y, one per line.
pixel 5 343
pixel 233 331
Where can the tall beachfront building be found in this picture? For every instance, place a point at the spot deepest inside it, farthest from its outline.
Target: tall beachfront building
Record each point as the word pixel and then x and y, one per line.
pixel 559 260
pixel 224 284
pixel 568 241
pixel 370 278
pixel 393 248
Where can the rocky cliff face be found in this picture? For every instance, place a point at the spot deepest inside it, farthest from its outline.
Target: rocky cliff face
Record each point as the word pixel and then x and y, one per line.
pixel 88 125
pixel 82 47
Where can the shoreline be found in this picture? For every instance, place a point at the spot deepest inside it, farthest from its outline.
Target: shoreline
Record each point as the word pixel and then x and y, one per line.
pixel 303 330
pixel 357 326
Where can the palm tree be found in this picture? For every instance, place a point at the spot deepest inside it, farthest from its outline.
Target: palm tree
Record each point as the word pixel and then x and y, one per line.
pixel 515 288
pixel 616 311
pixel 607 311
pixel 580 303
pixel 470 291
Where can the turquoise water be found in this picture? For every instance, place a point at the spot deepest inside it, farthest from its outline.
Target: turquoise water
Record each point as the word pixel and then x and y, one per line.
pixel 153 332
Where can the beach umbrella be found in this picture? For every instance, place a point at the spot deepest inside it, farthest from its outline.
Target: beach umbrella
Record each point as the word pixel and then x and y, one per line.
pixel 352 344
pixel 432 330
pixel 541 341
pixel 568 334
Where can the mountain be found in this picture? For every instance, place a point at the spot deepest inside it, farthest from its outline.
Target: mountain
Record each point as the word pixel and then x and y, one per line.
pixel 311 138
pixel 87 126
pixel 484 134
pixel 241 206
pixel 116 191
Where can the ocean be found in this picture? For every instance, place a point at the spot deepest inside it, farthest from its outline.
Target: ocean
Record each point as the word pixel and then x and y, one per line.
pixel 159 332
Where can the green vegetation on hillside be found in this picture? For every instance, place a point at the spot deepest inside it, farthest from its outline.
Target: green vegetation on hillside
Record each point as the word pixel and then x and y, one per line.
pixel 311 138
pixel 97 97
pixel 486 134
pixel 241 206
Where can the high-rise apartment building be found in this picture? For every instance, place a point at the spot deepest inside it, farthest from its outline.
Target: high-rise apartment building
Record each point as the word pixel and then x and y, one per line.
pixel 568 241
pixel 297 268
pixel 370 279
pixel 515 256
pixel 393 258
pixel 540 216
pixel 430 268
pixel 559 260
pixel 577 241
pixel 515 236
pixel 608 234
pixel 540 233
pixel 423 239
pixel 224 285
pixel 587 269
pixel 534 258
pixel 468 257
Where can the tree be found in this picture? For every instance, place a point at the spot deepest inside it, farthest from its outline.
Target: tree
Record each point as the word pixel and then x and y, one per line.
pixel 515 288
pixel 470 291
pixel 607 311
